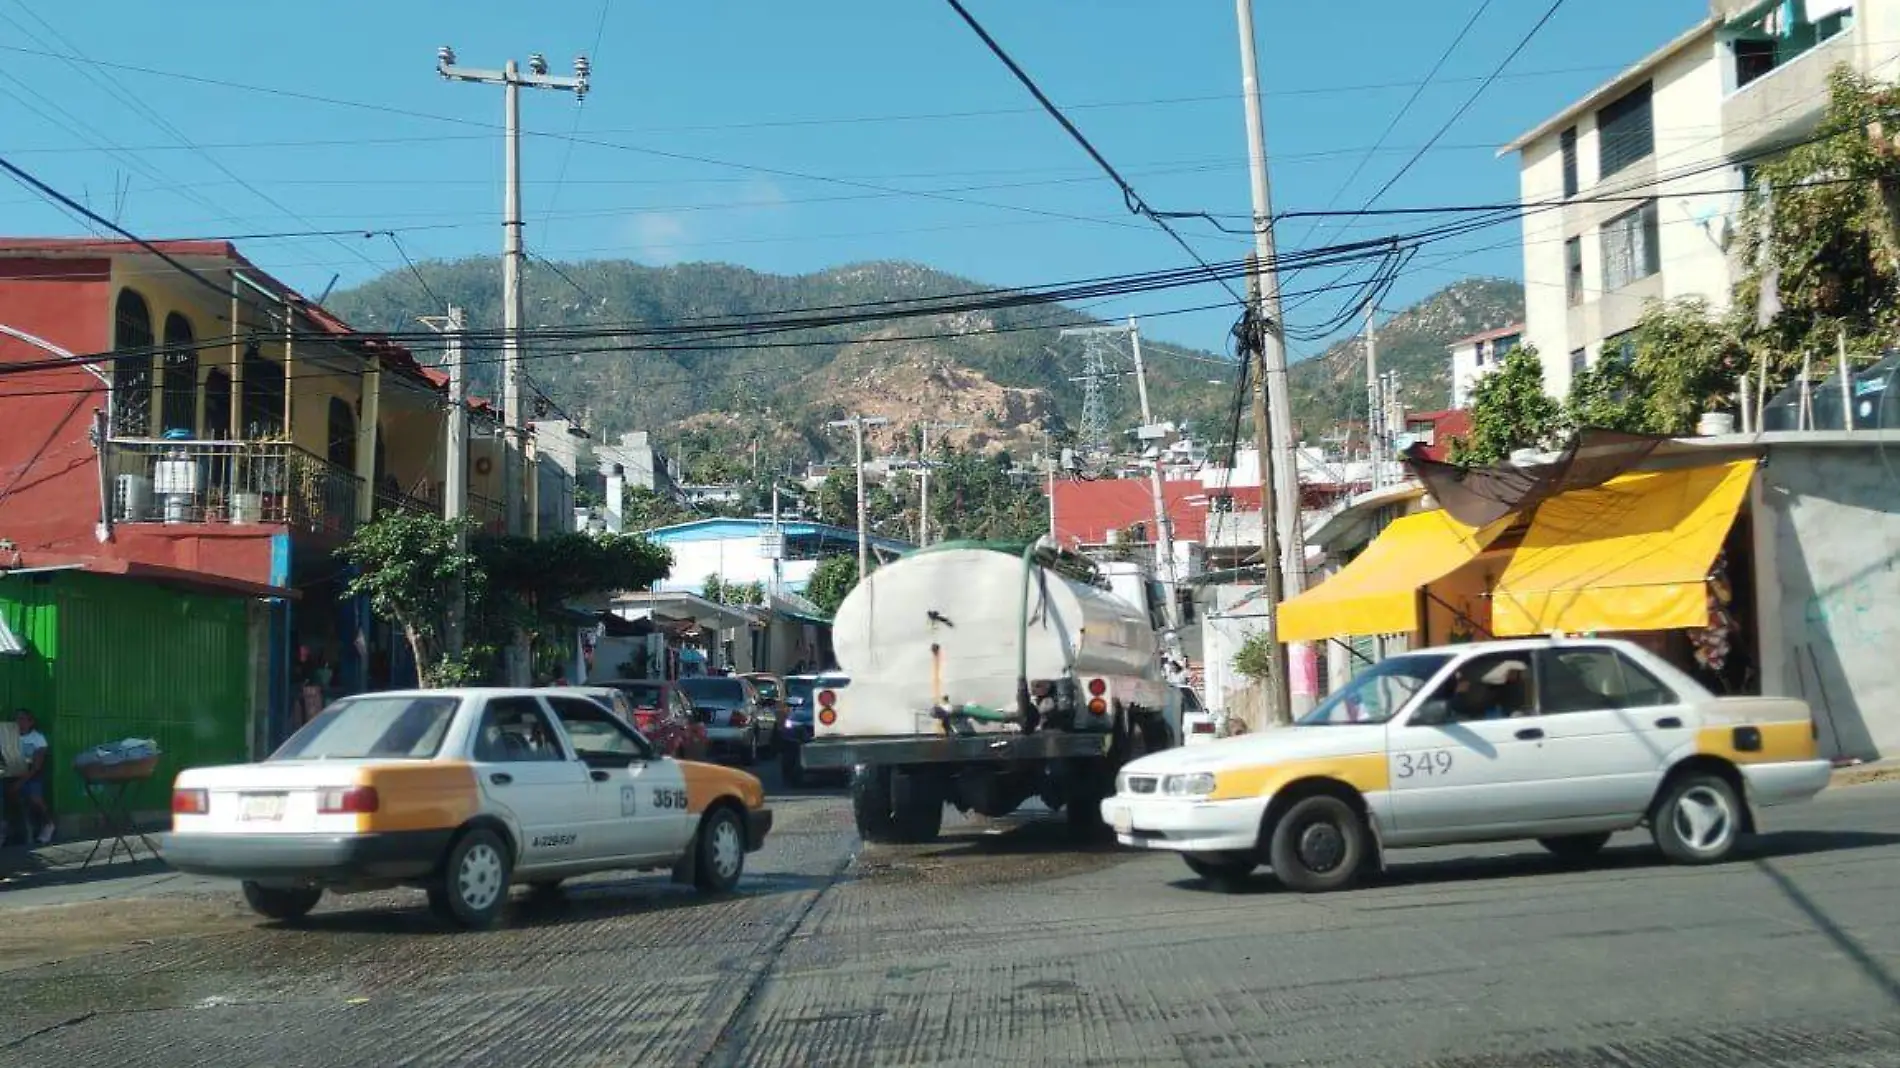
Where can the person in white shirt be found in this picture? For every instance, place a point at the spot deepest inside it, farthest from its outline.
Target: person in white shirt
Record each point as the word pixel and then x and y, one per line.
pixel 29 789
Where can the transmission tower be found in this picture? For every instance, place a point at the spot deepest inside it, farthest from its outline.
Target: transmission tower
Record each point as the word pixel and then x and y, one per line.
pixel 1101 353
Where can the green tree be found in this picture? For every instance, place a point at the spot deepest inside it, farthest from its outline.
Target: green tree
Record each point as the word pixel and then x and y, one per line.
pixel 735 594
pixel 832 581
pixel 643 509
pixel 1686 361
pixel 408 565
pixel 1509 411
pixel 1254 659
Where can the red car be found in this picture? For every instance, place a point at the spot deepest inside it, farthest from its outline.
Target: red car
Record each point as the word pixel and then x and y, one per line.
pixel 661 712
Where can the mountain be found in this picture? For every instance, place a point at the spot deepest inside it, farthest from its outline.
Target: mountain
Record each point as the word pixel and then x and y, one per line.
pixel 1004 373
pixel 1331 388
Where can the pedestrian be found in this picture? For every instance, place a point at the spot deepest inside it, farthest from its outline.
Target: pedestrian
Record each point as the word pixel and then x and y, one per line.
pixel 28 790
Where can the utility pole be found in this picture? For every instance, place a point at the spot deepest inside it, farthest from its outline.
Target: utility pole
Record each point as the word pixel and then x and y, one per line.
pixel 857 423
pixel 923 502
pixel 512 80
pixel 1271 365
pixel 1375 402
pixel 455 474
pixel 1278 695
pixel 1164 532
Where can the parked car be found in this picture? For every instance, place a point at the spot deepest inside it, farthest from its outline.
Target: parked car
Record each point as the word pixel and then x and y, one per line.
pixel 772 700
pixel 729 707
pixel 795 729
pixel 1197 723
pixel 1566 741
pixel 463 793
pixel 658 710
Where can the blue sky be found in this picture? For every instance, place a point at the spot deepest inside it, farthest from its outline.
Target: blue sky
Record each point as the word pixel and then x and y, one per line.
pixel 702 113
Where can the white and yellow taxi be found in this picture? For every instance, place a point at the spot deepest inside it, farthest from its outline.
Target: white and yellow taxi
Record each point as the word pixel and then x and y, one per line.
pixel 463 793
pixel 1563 741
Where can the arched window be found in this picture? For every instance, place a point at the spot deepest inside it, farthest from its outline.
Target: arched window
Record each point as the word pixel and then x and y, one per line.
pixel 263 395
pixel 217 405
pixel 178 379
pixel 132 372
pixel 342 434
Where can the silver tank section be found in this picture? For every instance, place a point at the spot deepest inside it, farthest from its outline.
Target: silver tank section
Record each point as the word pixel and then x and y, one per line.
pixel 941 627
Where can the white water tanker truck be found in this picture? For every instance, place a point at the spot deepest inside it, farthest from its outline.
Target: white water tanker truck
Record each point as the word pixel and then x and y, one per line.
pixel 984 676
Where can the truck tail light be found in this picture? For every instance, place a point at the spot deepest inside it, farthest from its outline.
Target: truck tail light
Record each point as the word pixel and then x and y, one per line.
pixel 1098 687
pixel 1098 707
pixel 191 802
pixel 827 716
pixel 827 698
pixel 347 799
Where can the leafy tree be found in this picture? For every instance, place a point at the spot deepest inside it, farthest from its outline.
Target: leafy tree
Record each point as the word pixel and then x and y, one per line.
pixel 1686 360
pixel 643 509
pixel 1509 411
pixel 833 581
pixel 408 565
pixel 735 594
pixel 1254 659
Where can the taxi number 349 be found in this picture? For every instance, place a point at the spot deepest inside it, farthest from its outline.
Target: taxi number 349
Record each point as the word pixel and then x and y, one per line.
pixel 1411 765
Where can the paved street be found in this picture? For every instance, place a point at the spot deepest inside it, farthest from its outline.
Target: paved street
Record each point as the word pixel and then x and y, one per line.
pixel 1000 947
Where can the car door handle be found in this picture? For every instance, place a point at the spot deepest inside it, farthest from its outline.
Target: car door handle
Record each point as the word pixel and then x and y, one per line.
pixel 501 778
pixel 1668 722
pixel 1530 734
pixel 600 776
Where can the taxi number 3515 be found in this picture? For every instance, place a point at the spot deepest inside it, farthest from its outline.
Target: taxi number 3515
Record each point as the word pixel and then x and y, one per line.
pixel 1432 762
pixel 669 799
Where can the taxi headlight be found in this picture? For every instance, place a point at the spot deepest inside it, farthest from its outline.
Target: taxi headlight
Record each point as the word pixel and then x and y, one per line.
pixel 1199 784
pixel 1121 784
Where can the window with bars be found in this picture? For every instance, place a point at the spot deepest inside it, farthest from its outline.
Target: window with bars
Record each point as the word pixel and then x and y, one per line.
pixel 1626 130
pixel 132 371
pixel 1631 247
pixel 1573 271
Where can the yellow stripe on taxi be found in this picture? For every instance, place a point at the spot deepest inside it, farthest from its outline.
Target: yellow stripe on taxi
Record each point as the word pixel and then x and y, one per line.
pixel 1365 772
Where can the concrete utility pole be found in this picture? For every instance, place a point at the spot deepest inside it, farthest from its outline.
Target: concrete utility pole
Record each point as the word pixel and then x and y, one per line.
pixel 1278 694
pixel 923 502
pixel 455 477
pixel 1375 406
pixel 857 423
pixel 1164 526
pixel 1265 277
pixel 511 80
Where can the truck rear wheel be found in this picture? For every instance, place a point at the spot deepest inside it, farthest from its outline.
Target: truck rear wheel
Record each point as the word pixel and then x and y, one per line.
pixel 1090 781
pixel 889 815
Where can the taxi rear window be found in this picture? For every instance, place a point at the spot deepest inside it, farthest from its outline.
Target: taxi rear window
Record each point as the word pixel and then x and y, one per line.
pixel 394 728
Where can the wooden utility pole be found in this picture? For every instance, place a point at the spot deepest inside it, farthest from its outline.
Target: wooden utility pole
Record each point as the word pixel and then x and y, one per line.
pixel 1277 694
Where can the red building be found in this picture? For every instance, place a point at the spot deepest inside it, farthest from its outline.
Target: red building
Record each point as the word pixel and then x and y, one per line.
pixel 175 416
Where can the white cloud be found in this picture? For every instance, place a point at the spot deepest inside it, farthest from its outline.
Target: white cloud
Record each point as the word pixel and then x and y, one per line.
pixel 657 236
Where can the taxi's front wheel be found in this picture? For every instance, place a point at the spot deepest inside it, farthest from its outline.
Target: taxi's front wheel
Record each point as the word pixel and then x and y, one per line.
pixel 1319 844
pixel 721 846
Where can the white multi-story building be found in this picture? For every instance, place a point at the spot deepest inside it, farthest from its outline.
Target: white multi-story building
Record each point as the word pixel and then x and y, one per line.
pixel 1633 192
pixel 1478 355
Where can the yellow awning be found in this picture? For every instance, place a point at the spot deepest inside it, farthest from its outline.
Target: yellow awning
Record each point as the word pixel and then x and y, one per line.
pixel 1631 554
pixel 1378 592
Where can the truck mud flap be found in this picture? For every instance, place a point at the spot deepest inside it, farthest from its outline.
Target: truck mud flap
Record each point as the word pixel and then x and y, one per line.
pixel 845 753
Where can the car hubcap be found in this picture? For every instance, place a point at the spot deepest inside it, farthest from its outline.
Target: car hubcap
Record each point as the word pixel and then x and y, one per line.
pixel 1322 847
pixel 726 849
pixel 1704 819
pixel 480 877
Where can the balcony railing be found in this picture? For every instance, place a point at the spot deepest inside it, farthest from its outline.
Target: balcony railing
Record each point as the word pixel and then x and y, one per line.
pixel 236 482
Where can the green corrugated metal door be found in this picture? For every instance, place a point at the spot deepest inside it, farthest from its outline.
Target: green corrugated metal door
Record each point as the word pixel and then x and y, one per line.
pixel 142 661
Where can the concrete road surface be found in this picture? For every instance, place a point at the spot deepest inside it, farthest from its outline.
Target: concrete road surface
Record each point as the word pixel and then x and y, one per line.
pixel 1007 948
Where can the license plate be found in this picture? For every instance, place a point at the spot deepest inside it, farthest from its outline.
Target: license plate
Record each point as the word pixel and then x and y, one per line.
pixel 262 807
pixel 1122 819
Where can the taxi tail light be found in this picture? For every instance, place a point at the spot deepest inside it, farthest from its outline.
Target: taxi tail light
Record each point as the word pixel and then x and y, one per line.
pixel 191 802
pixel 343 799
pixel 1204 727
pixel 740 719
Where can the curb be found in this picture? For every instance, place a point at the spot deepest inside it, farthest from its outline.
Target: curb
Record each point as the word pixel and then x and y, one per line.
pixel 1862 774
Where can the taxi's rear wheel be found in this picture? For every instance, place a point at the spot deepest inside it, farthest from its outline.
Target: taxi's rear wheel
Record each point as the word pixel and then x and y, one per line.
pixel 473 887
pixel 1319 844
pixel 1698 819
pixel 282 903
pixel 721 846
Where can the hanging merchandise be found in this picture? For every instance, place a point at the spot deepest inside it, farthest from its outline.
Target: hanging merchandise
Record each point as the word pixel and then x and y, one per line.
pixel 1713 643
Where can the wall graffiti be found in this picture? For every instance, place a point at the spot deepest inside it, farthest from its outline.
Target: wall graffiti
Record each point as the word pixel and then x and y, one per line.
pixel 1854 615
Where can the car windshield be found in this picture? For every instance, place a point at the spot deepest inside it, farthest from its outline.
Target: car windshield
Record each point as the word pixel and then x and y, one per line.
pixel 768 689
pixel 1379 692
pixel 387 727
pixel 799 691
pixel 645 694
pixel 714 693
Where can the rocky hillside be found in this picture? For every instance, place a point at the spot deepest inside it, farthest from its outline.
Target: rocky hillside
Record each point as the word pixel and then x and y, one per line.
pixel 1005 373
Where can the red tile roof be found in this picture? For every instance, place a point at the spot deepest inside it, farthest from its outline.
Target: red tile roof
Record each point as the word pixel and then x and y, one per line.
pixel 1489 335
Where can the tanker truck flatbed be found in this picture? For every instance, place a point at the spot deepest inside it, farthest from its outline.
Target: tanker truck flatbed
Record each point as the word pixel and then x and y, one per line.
pixel 844 754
